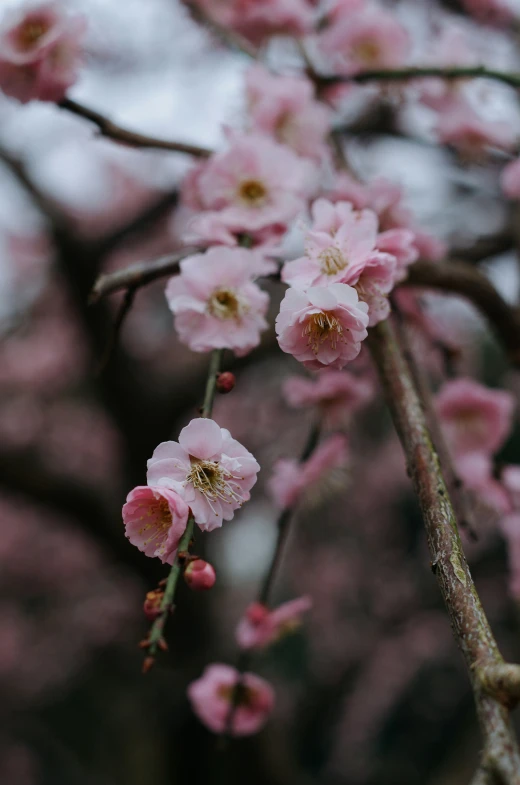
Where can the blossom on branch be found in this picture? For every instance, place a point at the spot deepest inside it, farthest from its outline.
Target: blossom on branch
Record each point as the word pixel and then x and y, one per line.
pixel 155 520
pixel 260 627
pixel 207 467
pixel 215 302
pixel 338 394
pixel 323 326
pixel 285 107
pixel 40 51
pixel 292 479
pixel 212 698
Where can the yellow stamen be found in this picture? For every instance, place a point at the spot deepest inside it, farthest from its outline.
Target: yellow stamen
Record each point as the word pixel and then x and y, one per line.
pixel 332 261
pixel 322 327
pixel 226 304
pixel 253 193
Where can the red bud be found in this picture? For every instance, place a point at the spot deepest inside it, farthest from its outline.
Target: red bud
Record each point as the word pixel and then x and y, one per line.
pixel 200 575
pixel 225 382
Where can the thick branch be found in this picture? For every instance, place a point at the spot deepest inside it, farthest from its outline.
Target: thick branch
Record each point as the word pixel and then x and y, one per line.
pixel 470 625
pixel 131 138
pixel 503 682
pixel 464 280
pixel 417 72
pixel 139 274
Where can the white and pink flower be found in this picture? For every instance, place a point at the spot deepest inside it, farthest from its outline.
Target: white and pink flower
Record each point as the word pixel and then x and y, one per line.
pixel 260 627
pixel 155 520
pixel 215 302
pixel 209 469
pixel 213 700
pixel 40 51
pixel 323 326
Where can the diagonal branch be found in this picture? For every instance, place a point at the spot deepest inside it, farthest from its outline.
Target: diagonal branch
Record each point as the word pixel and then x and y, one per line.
pixel 470 625
pixel 131 138
pixel 418 72
pixel 459 278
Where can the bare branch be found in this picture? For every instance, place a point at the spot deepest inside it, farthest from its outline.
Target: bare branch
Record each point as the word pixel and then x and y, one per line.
pixel 470 625
pixel 139 274
pixel 503 682
pixel 131 138
pixel 418 72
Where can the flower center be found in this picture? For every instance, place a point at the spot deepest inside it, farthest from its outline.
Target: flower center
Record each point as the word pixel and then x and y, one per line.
pixel 215 483
pixel 244 696
pixel 368 52
pixel 332 261
pixel 31 32
pixel 322 327
pixel 225 304
pixel 253 193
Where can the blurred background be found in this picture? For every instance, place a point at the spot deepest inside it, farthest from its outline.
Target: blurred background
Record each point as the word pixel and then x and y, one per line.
pixel 372 690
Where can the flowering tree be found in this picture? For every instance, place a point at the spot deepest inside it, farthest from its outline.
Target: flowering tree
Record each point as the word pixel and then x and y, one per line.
pixel 276 240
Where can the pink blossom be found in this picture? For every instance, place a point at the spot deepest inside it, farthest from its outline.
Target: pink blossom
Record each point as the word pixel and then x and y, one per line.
pixel 261 627
pixel 254 185
pixel 291 479
pixel 476 471
pixel 475 418
pixel 208 228
pixel 207 467
pixel 402 245
pixel 450 49
pixel 510 179
pixel 370 39
pixel 323 326
pixel 39 51
pixel 257 21
pixel 459 125
pixel 339 394
pixel 211 698
pixel 155 519
pixel 285 107
pixel 216 304
pixel 341 248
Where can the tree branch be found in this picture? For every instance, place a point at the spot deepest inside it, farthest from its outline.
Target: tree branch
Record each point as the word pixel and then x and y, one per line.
pixel 131 138
pixel 464 280
pixel 469 623
pixel 418 72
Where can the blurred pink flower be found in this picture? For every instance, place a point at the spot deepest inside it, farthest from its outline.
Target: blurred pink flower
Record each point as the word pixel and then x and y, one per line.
pixel 211 698
pixel 510 478
pixel 322 327
pixel 254 185
pixel 285 107
pixel 155 519
pixel 476 471
pixel 260 627
pixel 370 39
pixel 337 393
pixel 291 479
pixel 474 418
pixel 40 51
pixel 510 179
pixel 207 228
pixel 257 21
pixel 402 244
pixel 216 304
pixel 207 467
pixel 459 125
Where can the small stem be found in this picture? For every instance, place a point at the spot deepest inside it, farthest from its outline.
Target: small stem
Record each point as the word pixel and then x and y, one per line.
pixel 214 367
pixel 157 629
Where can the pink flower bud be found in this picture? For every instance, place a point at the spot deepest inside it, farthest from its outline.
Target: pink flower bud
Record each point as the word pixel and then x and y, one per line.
pixel 200 575
pixel 225 382
pixel 257 612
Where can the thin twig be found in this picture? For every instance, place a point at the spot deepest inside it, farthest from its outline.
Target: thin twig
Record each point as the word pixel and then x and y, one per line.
pixel 229 37
pixel 138 275
pixel 470 625
pixel 131 138
pixel 123 311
